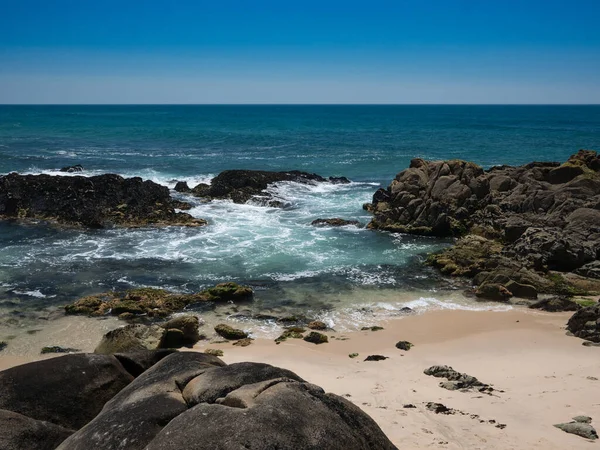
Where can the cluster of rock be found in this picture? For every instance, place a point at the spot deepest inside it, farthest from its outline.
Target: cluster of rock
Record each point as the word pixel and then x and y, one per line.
pixel 93 202
pixel 457 380
pixel 171 400
pixel 155 303
pixel 519 223
pixel 241 186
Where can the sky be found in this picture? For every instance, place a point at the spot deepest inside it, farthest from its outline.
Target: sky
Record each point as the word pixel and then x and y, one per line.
pixel 288 51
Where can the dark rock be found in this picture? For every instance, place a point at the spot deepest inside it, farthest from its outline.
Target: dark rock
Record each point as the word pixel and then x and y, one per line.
pixel 135 415
pixel 58 349
pixel 151 302
pixel 591 270
pixel 439 408
pixel 457 380
pixel 556 304
pixel 339 180
pixel 241 186
pixel 493 291
pixel 590 344
pixel 138 362
pixel 229 332
pixel 335 222
pixel 376 358
pixel 521 290
pixel 72 169
pixel 317 325
pixel 182 186
pixel 68 391
pixel 585 323
pixel 404 345
pixel 409 405
pixel 291 333
pixel 372 328
pixel 93 202
pixel 3 345
pixel 315 337
pixel 18 432
pixel 243 342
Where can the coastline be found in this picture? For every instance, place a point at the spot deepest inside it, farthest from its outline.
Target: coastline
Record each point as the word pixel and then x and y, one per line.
pixel 542 371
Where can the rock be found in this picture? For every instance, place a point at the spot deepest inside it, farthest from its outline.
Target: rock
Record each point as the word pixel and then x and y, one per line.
pixel 71 169
pixel 439 408
pixel 138 362
pixel 585 430
pixel 91 202
pixel 376 358
pixel 336 222
pixel 404 345
pixel 339 180
pixel 315 337
pixel 138 413
pixel 457 380
pixel 243 342
pixel 522 290
pixel 229 332
pixel 188 325
pixel 520 221
pixel 372 328
pixel 18 432
pixel 292 332
pixel 556 304
pixel 317 325
pixel 214 352
pixel 3 345
pixel 68 391
pixel 131 338
pixel 409 406
pixel 583 419
pixel 151 302
pixel 493 291
pixel 585 323
pixel 182 186
pixel 58 349
pixel 241 186
pixel 590 344
pixel 353 355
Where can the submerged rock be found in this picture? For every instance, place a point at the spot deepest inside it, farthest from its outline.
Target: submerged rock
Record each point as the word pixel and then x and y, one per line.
pixel 153 302
pixel 335 222
pixel 92 202
pixel 72 169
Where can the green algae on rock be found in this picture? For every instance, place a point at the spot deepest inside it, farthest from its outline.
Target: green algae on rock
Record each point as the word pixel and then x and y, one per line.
pixel 230 333
pixel 315 337
pixel 154 303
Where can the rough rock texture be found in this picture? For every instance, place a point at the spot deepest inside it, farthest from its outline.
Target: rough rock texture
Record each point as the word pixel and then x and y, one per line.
pixel 93 202
pixel 231 333
pixel 18 432
pixel 240 186
pixel 68 391
pixel 131 338
pixel 194 401
pixel 581 426
pixel 528 219
pixel 493 291
pixel 585 323
pixel 457 380
pixel 404 345
pixel 335 222
pixel 316 338
pixel 556 304
pixel 187 328
pixel 151 302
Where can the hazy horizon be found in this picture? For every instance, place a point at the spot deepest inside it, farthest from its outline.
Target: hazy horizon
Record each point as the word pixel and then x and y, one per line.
pixel 268 52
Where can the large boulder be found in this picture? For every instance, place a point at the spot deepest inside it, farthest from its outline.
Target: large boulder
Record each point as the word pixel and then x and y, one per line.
pixel 68 391
pixel 93 202
pixel 131 338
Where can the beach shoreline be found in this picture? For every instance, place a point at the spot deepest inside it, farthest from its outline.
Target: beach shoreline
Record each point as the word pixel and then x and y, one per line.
pixel 540 375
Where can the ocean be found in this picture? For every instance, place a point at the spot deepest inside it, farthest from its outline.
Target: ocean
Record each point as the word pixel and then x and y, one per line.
pixel 345 275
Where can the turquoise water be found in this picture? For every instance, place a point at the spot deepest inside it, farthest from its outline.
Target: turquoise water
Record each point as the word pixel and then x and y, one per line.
pixel 289 262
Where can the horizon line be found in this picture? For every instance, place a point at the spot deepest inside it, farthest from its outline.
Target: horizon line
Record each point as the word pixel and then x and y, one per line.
pixel 299 104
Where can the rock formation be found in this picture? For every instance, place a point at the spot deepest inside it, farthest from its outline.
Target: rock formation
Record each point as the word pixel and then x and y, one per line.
pixel 92 202
pixel 190 400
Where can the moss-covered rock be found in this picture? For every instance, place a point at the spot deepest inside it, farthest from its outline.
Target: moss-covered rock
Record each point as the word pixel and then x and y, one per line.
pixel 230 333
pixel 468 257
pixel 315 337
pixel 317 325
pixel 214 351
pixel 154 303
pixel 493 291
pixel 404 345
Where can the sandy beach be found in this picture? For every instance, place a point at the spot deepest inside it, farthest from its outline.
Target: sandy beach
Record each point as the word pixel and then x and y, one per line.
pixel 540 375
pixel 546 377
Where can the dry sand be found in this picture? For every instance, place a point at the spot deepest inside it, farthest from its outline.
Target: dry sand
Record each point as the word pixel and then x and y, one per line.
pixel 547 377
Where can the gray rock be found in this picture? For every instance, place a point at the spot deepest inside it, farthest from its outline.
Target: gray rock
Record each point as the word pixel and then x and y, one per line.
pixel 131 338
pixel 556 304
pixel 585 323
pixel 68 391
pixel 585 430
pixel 522 290
pixel 18 432
pixel 457 380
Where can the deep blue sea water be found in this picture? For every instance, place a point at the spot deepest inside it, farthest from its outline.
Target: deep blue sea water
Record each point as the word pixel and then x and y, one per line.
pixel 289 262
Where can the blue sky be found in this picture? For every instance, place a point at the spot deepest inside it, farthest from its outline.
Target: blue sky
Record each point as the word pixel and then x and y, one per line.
pixel 223 51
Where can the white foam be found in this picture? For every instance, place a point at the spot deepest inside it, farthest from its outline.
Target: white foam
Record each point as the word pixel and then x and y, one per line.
pixel 35 293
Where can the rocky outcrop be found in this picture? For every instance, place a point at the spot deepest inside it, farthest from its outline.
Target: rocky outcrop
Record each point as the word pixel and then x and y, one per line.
pixel 585 323
pixel 181 400
pixel 92 202
pixel 155 303
pixel 520 222
pixel 556 304
pixel 241 186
